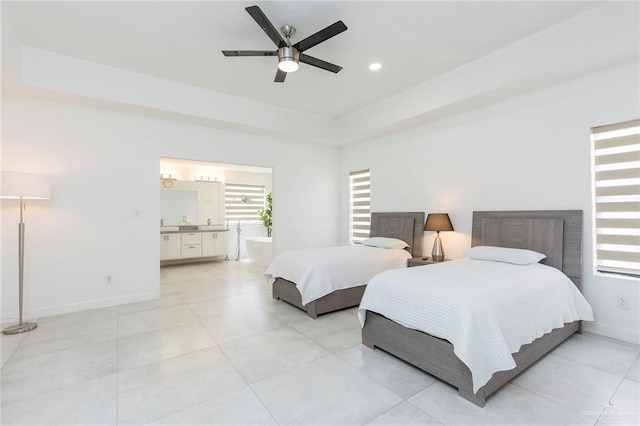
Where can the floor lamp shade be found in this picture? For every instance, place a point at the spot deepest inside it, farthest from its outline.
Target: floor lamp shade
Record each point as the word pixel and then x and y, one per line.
pixel 438 222
pixel 23 186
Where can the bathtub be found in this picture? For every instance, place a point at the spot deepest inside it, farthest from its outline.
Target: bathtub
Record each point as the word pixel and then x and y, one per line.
pixel 259 249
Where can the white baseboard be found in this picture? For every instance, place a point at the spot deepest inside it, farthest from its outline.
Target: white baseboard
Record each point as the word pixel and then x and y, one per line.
pixel 628 335
pixel 68 308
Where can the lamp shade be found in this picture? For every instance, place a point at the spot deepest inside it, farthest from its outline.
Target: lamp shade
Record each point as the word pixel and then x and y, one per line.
pixel 25 185
pixel 438 222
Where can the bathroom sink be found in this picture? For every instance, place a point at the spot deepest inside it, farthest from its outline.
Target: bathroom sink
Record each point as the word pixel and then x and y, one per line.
pixel 169 228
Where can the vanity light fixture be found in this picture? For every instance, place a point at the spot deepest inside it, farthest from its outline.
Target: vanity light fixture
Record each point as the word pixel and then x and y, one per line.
pixel 375 66
pixel 438 222
pixel 205 179
pixel 167 180
pixel 23 186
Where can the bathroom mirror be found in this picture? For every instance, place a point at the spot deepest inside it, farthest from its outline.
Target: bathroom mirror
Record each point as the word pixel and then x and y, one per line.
pixel 178 207
pixel 191 203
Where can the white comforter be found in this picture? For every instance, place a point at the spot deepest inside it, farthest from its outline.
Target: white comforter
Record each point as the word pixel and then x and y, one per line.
pixel 318 272
pixel 485 309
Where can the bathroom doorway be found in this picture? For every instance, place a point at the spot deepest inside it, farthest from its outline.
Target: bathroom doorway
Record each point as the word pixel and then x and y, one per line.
pixel 212 212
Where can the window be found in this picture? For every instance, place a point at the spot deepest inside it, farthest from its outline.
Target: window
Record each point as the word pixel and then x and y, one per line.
pixel 242 202
pixel 616 167
pixel 359 185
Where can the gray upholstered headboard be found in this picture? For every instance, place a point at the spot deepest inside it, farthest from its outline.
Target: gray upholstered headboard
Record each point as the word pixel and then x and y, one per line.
pixel 556 233
pixel 406 226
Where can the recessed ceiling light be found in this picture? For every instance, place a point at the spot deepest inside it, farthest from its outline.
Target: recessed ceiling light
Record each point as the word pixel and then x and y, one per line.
pixel 375 66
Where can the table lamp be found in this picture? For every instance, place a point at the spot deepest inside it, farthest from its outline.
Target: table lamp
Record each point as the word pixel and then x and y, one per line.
pixel 438 222
pixel 23 186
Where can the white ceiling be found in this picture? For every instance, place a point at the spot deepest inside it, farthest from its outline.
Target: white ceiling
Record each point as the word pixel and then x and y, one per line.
pixel 181 41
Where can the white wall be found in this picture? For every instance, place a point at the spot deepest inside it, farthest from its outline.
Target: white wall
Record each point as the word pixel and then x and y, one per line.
pixel 105 166
pixel 531 152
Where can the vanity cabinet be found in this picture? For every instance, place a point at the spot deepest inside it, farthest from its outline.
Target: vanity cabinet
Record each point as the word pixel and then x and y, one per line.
pixel 192 246
pixel 214 243
pixel 170 246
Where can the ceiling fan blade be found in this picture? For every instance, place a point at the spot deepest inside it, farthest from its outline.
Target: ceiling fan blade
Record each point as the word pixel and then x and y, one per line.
pixel 310 60
pixel 266 25
pixel 250 53
pixel 320 36
pixel 280 76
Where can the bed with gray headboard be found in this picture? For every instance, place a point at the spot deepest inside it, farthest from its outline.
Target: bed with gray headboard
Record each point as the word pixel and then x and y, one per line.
pixel 406 226
pixel 558 234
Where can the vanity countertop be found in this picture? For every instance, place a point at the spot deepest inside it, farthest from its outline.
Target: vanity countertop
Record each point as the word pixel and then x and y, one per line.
pixel 192 228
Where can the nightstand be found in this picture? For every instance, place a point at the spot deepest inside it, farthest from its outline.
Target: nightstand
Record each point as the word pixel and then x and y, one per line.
pixel 418 261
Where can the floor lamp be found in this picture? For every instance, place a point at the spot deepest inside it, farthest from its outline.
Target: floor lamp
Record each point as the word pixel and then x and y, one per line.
pixel 23 186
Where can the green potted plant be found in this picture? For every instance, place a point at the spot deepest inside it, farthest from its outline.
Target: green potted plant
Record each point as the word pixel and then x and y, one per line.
pixel 266 214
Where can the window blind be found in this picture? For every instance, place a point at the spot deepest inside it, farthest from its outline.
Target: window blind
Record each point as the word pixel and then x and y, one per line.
pixel 242 209
pixel 616 165
pixel 360 200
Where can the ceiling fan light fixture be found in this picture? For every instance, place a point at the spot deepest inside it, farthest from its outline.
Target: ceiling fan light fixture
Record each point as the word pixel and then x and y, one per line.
pixel 288 65
pixel 288 59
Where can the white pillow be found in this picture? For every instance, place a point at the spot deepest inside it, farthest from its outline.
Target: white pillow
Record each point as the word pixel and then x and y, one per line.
pixel 385 242
pixel 504 254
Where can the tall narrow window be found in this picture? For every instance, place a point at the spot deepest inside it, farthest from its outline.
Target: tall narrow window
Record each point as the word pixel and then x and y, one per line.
pixel 359 184
pixel 242 202
pixel 616 166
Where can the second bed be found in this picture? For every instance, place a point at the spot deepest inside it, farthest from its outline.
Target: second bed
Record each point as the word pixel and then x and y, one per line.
pixel 477 322
pixel 329 279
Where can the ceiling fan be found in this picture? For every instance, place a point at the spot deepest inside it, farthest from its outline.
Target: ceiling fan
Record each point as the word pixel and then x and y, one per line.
pixel 290 55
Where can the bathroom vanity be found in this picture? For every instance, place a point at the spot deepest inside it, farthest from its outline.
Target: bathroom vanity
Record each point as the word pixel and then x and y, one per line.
pixel 184 205
pixel 183 244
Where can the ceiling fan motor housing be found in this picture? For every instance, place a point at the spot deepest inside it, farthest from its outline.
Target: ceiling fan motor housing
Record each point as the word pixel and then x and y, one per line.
pixel 288 53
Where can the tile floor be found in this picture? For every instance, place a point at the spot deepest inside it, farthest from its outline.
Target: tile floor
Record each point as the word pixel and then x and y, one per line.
pixel 217 349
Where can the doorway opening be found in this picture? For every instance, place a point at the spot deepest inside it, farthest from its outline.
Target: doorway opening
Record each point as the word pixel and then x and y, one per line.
pixel 214 211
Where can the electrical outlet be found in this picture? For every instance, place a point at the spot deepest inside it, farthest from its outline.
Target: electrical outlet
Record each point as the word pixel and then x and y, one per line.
pixel 623 302
pixel 108 279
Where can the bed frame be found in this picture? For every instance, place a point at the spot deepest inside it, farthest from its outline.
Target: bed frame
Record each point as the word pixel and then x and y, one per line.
pixel 407 226
pixel 558 234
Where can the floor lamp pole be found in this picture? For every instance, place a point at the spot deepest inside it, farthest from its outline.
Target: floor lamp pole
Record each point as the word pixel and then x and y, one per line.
pixel 21 327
